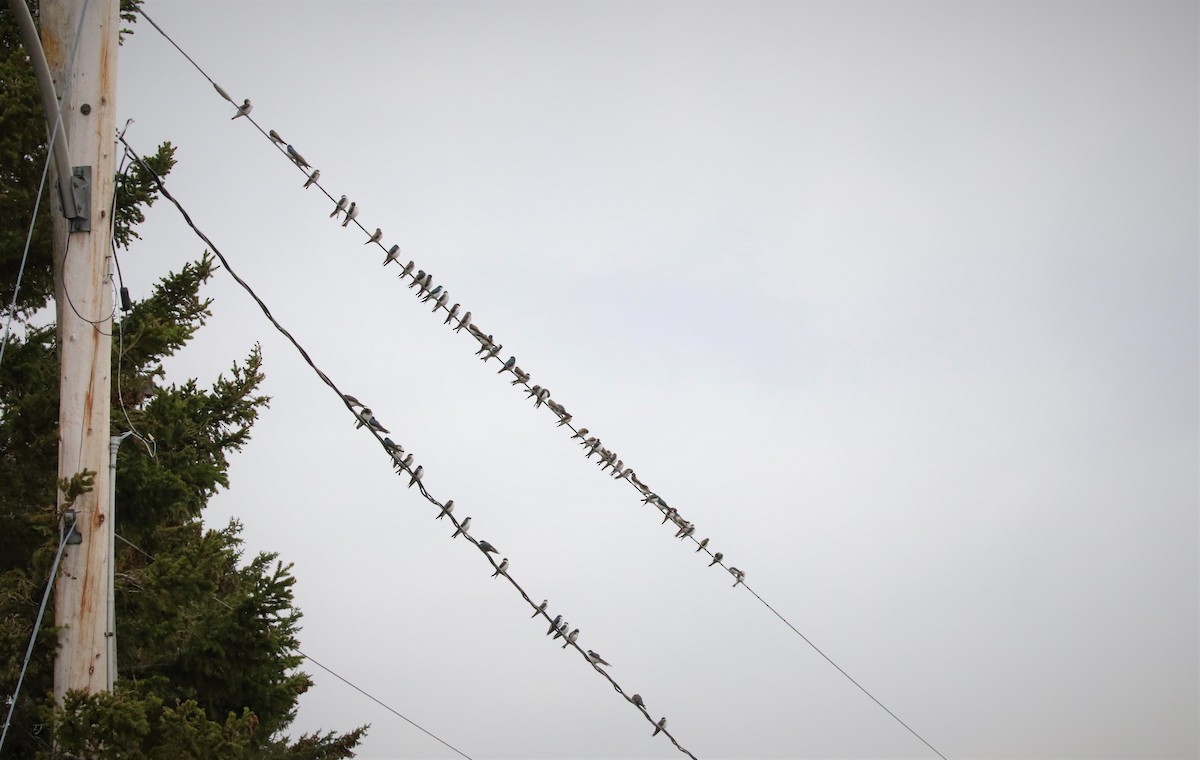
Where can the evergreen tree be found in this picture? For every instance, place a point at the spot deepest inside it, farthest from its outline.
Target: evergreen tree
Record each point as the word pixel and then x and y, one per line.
pixel 207 637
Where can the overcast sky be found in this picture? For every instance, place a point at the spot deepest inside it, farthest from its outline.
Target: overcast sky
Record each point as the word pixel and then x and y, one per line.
pixel 897 302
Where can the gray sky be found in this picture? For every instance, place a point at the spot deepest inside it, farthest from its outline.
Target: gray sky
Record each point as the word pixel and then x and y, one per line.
pixel 896 301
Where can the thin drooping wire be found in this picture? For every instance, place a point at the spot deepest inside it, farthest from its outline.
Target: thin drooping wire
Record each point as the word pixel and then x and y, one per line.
pixel 37 626
pixel 326 668
pixel 415 477
pixel 565 419
pixel 42 185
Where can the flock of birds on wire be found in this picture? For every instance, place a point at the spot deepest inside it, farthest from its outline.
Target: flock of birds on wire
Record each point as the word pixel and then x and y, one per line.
pixel 421 282
pixel 348 211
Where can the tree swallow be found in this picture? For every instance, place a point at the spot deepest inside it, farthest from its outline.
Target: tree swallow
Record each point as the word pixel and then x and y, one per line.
pixel 660 726
pixel 554 624
pixel 275 138
pixel 447 508
pixel 596 659
pixel 351 213
pixel 541 607
pixel 466 320
pixel 416 476
pixel 244 109
pixel 453 313
pixel 376 236
pixel 501 567
pixel 312 178
pixel 340 207
pixel 462 527
pixel 716 558
pixel 571 638
pixel 297 159
pixel 393 254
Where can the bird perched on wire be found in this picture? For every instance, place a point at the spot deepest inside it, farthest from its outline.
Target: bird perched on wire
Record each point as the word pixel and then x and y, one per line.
pixel 716 558
pixel 486 547
pixel 243 110
pixel 637 700
pixel 596 659
pixel 738 575
pixel 554 624
pixel 686 531
pixel 541 608
pixel 660 726
pixel 417 279
pixel 340 207
pixel 508 365
pixel 440 303
pixel 464 322
pixel 365 417
pixel 571 638
pixel 542 397
pixel 312 178
pixel 562 630
pixel 376 236
pixel 453 313
pixel 297 159
pixel 432 294
pixel 462 527
pixel 447 508
pixel 703 545
pixel 393 254
pixel 275 138
pixel 416 476
pixel 501 567
pixel 351 213
pixel 351 400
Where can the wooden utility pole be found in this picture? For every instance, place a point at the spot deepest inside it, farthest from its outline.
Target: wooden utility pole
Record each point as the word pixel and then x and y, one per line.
pixel 86 89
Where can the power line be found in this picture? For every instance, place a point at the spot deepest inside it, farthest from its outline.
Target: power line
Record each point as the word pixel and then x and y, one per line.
pixel 37 626
pixel 368 421
pixel 608 458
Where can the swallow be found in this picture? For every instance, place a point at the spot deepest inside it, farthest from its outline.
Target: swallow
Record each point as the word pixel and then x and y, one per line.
pixel 541 607
pixel 462 527
pixel 508 365
pixel 660 726
pixel 492 352
pixel 484 344
pixel 416 476
pixel 671 512
pixel 375 236
pixel 501 567
pixel 365 417
pixel 637 700
pixel 407 268
pixel 563 627
pixel 407 463
pixel 351 213
pixel 297 159
pixel 453 313
pixel 340 207
pixel 466 320
pixel 533 390
pixel 389 445
pixel 738 575
pixel 244 109
pixel 542 397
pixel 554 624
pixel 571 638
pixel 447 508
pixel 424 284
pixel 685 531
pixel 417 279
pixel 275 138
pixel 440 303
pixel 519 376
pixel 486 547
pixel 432 294
pixel 312 178
pixel 716 558
pixel 580 433
pixel 703 545
pixel 351 400
pixel 596 659
pixel 393 254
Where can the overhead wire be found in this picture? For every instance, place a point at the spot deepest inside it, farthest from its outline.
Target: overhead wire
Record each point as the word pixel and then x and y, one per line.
pixel 324 667
pixel 37 626
pixel 686 529
pixel 351 404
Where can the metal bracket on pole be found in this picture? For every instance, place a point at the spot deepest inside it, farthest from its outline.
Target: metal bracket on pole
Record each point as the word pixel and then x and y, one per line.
pixel 72 536
pixel 81 193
